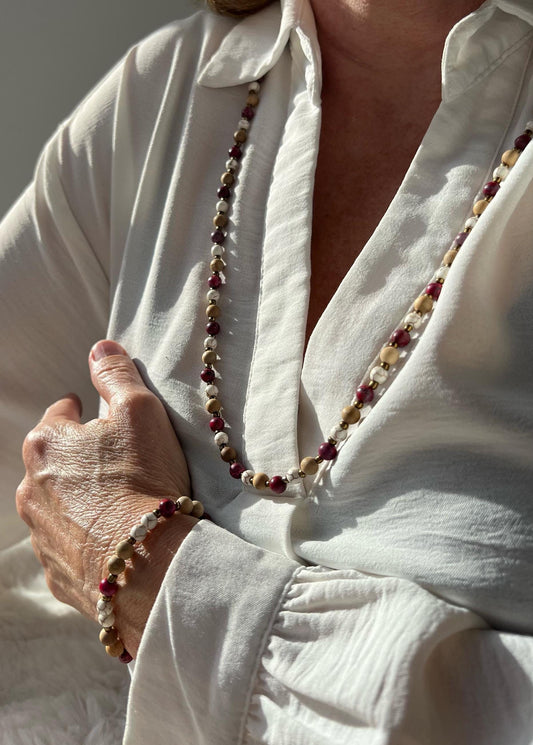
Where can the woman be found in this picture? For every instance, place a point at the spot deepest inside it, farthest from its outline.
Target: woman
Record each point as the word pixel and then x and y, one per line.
pixel 406 559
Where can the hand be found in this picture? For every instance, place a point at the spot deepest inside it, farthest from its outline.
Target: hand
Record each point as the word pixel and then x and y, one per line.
pixel 87 484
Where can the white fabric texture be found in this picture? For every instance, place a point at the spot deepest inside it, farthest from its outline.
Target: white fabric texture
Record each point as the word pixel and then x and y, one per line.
pixel 388 600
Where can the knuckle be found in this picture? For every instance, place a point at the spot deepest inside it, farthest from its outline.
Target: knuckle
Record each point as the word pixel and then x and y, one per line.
pixel 139 402
pixel 36 444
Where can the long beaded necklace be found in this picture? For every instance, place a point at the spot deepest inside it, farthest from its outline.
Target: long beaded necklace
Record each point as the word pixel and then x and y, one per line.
pixel 389 355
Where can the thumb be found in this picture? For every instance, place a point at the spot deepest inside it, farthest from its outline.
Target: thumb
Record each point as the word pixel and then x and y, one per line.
pixel 113 372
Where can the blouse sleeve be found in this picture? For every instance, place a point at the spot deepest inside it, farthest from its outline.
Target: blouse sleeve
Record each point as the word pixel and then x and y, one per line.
pixel 256 649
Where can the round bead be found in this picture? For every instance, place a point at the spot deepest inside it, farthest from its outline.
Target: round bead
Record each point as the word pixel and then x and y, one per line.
pixel 212 311
pixel 501 172
pixel 207 375
pixel 460 238
pixel 212 328
pixel 149 520
pixel 255 87
pixel 211 390
pixel 227 178
pixel 104 606
pixel 214 281
pixel 220 221
pixel 364 394
pixel 309 466
pixel 209 357
pixel 211 343
pixel 224 192
pixel 197 508
pixel 125 550
pixel 351 414
pixel 236 153
pixel 259 481
pixel 449 256
pixel 442 272
pixel 413 319
pixel 253 99
pixel 423 304
pixel 433 290
pixel 379 375
pixel 217 251
pixel 277 485
pixel 246 477
pixel 167 507
pixel 248 112
pixel 529 126
pixel 480 206
pixel 390 355
pixel 216 423
pixel 106 621
pixel 125 657
pixel 471 223
pixel 221 438
pixel 213 295
pixel 327 451
pixel 232 164
pixel 138 532
pixel 222 206
pixel 510 157
pixel 213 405
pixel 292 475
pixel 185 505
pixel 108 636
pixel 115 649
pixel 401 337
pixel 337 433
pixel 108 588
pixel 522 141
pixel 217 265
pixel 491 189
pixel 228 454
pixel 236 469
pixel 116 565
pixel 244 124
pixel 240 136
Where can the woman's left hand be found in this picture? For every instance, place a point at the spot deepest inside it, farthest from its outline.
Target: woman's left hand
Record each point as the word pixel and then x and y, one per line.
pixel 86 485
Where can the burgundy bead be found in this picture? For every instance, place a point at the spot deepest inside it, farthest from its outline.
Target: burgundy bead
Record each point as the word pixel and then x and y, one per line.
pixel 364 394
pixel 460 238
pixel 277 484
pixel 433 290
pixel 401 337
pixel 108 588
pixel 224 192
pixel 522 141
pixel 214 281
pixel 236 469
pixel 235 152
pixel 207 375
pixel 218 236
pixel 212 328
pixel 125 657
pixel 248 112
pixel 167 507
pixel 491 189
pixel 216 423
pixel 327 451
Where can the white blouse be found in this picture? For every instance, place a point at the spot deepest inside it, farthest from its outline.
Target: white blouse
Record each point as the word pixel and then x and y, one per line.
pixel 389 599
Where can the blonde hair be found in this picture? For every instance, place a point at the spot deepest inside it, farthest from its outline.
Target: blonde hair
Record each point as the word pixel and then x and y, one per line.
pixel 237 7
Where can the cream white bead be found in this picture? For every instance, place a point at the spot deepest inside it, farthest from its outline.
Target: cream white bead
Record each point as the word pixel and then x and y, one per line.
pixel 210 342
pixel 104 606
pixel 213 294
pixel 379 374
pixel 529 126
pixel 138 532
pixel 413 319
pixel 232 164
pixel 106 621
pixel 292 475
pixel 217 251
pixel 244 124
pixel 254 87
pixel 222 206
pixel 471 222
pixel 441 273
pixel 338 434
pixel 149 520
pixel 221 438
pixel 246 477
pixel 501 172
pixel 211 390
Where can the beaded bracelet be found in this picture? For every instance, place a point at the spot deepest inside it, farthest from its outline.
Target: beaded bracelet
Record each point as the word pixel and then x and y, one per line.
pixel 116 564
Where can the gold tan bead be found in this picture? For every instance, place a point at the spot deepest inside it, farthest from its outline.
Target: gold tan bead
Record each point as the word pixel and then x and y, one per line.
pixel 185 505
pixel 217 265
pixel 309 466
pixel 209 357
pixel 350 414
pixel 116 564
pixel 228 454
pixel 115 649
pixel 259 481
pixel 449 256
pixel 240 135
pixel 213 405
pixel 219 221
pixel 197 509
pixel 124 550
pixel 480 207
pixel 423 304
pixel 227 179
pixel 108 636
pixel 252 100
pixel 212 311
pixel 390 355
pixel 510 157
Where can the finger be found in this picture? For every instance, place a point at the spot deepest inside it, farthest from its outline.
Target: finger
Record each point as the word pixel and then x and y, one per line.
pixel 113 372
pixel 68 408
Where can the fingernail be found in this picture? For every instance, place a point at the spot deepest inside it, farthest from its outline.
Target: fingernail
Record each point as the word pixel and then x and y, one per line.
pixel 106 348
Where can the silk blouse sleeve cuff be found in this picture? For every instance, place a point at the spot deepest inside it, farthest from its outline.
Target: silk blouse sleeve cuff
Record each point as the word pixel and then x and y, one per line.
pixel 202 646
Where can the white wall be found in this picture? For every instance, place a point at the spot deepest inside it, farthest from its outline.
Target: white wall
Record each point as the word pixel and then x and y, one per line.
pixel 51 53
